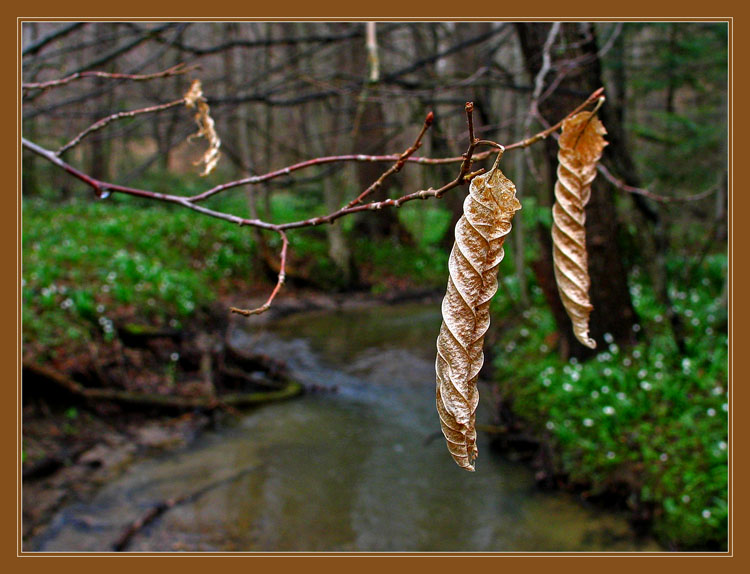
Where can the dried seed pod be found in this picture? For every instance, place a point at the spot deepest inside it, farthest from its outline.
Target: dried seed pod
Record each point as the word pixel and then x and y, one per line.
pixel 581 144
pixel 206 128
pixel 473 264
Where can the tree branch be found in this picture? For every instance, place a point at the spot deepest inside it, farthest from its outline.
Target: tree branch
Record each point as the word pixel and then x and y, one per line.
pixel 541 75
pixel 118 116
pixel 51 37
pixel 397 166
pixel 265 42
pixel 173 71
pixel 102 189
pixel 279 282
pixel 618 183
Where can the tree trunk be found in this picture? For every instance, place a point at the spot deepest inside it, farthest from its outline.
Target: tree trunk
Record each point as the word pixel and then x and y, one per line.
pixel 29 184
pixel 338 247
pixel 370 138
pixel 100 143
pixel 613 310
pixel 334 188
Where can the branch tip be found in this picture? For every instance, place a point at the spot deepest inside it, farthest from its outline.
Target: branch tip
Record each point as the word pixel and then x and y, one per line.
pixel 599 103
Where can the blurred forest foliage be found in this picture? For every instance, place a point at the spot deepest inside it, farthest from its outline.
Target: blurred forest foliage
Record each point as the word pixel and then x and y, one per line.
pixel 645 417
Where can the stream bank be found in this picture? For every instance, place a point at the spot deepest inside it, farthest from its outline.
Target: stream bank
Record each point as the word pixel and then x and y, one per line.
pixel 152 393
pixel 358 461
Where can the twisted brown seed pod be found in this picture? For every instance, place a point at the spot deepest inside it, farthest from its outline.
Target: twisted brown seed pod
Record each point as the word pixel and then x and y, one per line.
pixel 473 264
pixel 194 98
pixel 581 144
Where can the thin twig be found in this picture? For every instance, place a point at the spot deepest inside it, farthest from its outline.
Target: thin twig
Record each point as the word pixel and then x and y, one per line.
pixel 173 71
pixel 541 75
pixel 618 183
pixel 553 128
pixel 490 143
pixel 466 158
pixel 396 167
pixel 54 35
pixel 279 283
pixel 536 95
pixel 607 46
pixel 469 109
pixel 118 116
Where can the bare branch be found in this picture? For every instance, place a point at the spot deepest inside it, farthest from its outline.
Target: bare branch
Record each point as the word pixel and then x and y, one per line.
pixel 118 116
pixel 502 28
pixel 397 166
pixel 279 282
pixel 264 42
pixel 541 75
pixel 103 189
pixel 190 202
pixel 124 49
pixel 618 183
pixel 173 71
pixel 51 37
pixel 616 31
pixel 594 97
pixel 536 95
pixel 466 157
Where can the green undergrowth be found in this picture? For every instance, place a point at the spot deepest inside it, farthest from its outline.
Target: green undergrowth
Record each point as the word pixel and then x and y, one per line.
pixel 88 263
pixel 85 262
pixel 384 264
pixel 647 418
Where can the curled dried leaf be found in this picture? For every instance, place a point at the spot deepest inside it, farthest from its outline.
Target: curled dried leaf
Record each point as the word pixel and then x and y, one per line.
pixel 581 144
pixel 474 260
pixel 194 99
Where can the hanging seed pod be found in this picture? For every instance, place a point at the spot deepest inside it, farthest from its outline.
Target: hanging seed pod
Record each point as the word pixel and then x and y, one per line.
pixel 474 260
pixel 581 144
pixel 206 127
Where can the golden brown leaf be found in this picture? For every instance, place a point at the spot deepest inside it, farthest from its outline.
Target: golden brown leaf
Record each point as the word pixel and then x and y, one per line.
pixel 581 144
pixel 473 264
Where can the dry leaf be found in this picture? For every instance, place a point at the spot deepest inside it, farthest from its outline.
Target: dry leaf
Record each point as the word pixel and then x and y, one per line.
pixel 473 264
pixel 206 128
pixel 581 144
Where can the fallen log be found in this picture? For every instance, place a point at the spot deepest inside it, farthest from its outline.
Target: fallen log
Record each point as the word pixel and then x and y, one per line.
pixel 138 335
pixel 133 400
pixel 250 380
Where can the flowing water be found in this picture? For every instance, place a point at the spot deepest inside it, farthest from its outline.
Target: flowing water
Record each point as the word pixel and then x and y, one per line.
pixel 359 469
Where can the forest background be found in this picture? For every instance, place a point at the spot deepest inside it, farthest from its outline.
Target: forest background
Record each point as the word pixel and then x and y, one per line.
pixel 98 273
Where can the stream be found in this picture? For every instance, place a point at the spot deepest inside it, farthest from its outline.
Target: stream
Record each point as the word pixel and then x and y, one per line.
pixel 361 468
